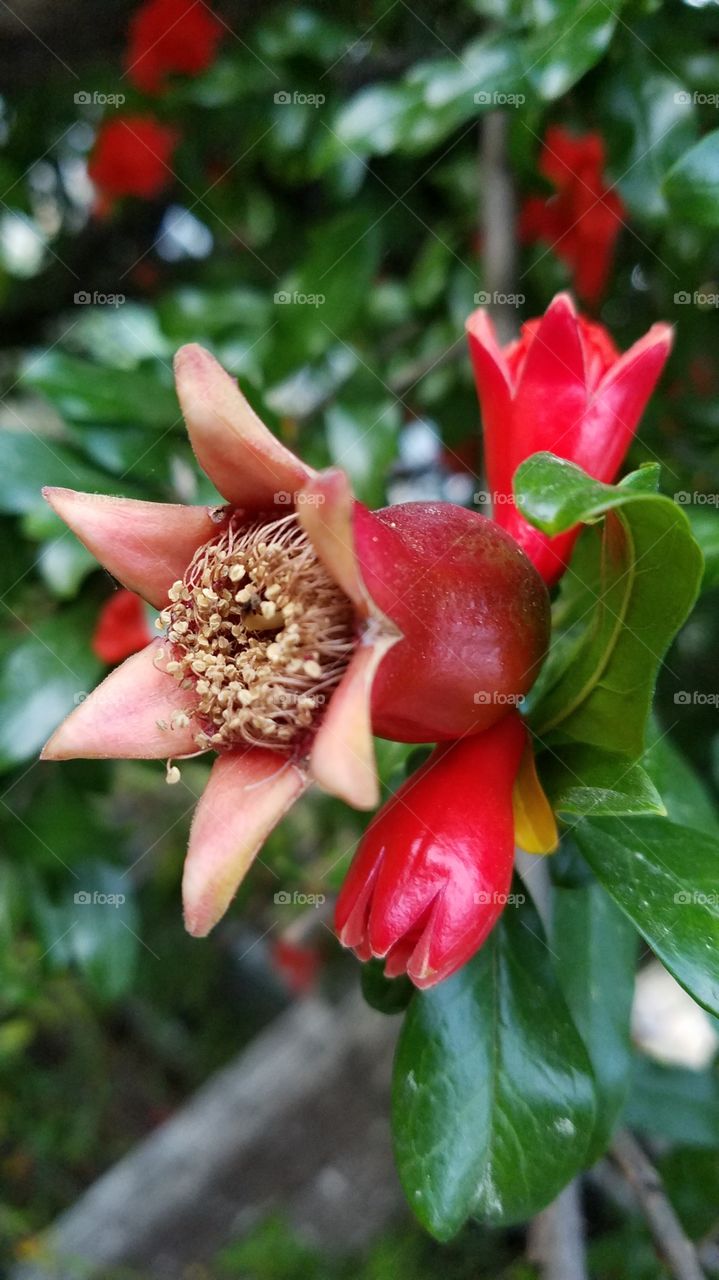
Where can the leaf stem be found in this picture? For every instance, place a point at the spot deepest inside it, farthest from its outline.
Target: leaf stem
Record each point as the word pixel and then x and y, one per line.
pixel 673 1246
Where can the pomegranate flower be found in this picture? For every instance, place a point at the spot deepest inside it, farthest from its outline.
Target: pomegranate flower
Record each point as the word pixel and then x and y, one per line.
pixel 122 627
pixel 582 221
pixel 433 871
pixel 169 36
pixel 562 386
pixel 296 622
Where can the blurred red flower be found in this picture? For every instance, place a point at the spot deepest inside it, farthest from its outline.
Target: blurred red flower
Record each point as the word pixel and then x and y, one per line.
pixel 582 221
pixel 132 157
pixel 122 627
pixel 168 36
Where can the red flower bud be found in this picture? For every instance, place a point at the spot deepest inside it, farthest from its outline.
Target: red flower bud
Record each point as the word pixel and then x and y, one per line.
pixel 433 871
pixel 169 36
pixel 563 387
pixel 122 627
pixel 132 157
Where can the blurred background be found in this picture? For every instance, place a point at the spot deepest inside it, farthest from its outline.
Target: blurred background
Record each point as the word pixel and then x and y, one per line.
pixel 320 195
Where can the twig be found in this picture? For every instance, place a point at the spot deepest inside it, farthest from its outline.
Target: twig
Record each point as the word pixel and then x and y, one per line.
pixel 672 1244
pixel 556 1238
pixel 497 218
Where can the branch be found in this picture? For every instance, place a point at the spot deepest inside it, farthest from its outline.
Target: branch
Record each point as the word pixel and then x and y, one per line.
pixel 499 247
pixel 556 1238
pixel 672 1244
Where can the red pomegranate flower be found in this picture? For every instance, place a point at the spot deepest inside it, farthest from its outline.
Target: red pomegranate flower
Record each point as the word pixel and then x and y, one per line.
pixel 168 36
pixel 132 157
pixel 296 622
pixel 122 627
pixel 433 871
pixel 563 387
pixel 582 221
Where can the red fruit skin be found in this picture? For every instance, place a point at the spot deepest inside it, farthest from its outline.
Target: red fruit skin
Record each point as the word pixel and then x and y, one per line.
pixel 473 612
pixel 431 875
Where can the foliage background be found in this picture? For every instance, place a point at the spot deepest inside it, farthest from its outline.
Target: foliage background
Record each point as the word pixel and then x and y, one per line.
pixel 371 199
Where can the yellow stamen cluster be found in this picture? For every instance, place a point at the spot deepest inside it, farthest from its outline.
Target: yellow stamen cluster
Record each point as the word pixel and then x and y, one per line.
pixel 261 632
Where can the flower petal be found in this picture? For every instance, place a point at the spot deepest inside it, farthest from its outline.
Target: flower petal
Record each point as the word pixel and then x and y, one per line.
pixel 244 799
pixel 249 466
pixel 535 827
pixel 123 717
pixel 494 389
pixel 146 545
pixel 342 758
pixel 551 394
pixel 613 414
pixel 325 509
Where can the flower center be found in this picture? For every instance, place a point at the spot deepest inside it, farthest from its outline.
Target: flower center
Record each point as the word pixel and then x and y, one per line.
pixel 261 631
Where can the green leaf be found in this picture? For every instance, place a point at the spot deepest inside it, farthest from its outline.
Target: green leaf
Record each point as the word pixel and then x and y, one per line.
pixel 687 802
pixel 644 580
pixel 692 185
pixel 64 563
pixel 362 439
pixel 652 124
pixel 705 527
pixel 493 1100
pixel 49 669
pixel 674 1103
pixel 583 780
pixel 665 878
pixel 84 392
pixel 27 462
pixel 94 927
pixel 596 950
pixel 560 52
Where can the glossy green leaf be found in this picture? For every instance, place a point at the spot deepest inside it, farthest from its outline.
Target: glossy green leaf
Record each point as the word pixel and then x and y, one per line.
pixel 645 578
pixel 94 927
pixel 386 995
pixel 666 879
pixel 585 780
pixel 653 123
pixel 596 949
pixel 685 797
pixel 493 1099
pixel 27 462
pixel 692 185
pixel 83 392
pixel 561 51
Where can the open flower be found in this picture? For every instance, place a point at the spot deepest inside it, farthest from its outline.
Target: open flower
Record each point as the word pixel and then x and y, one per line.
pixel 296 622
pixel 122 627
pixel 433 871
pixel 168 36
pixel 582 221
pixel 562 386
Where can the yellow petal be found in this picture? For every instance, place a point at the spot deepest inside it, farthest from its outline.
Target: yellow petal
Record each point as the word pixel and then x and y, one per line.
pixel 535 827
